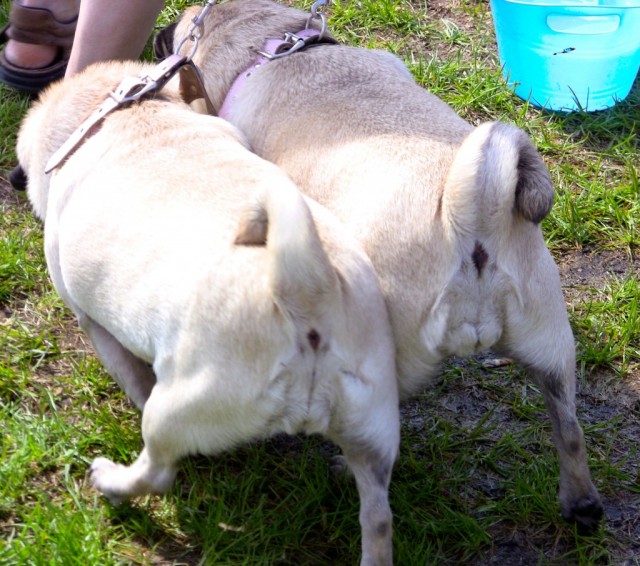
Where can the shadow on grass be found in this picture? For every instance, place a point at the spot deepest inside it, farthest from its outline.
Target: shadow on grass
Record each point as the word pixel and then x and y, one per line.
pixel 239 508
pixel 604 130
pixel 476 483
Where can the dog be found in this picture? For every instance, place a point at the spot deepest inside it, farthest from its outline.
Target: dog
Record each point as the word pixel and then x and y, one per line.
pixel 227 306
pixel 448 213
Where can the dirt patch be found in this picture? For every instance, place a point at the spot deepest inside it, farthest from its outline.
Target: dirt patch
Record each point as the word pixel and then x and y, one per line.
pixel 8 196
pixel 587 268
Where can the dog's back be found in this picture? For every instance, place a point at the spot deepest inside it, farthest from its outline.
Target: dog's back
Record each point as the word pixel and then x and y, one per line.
pixel 402 170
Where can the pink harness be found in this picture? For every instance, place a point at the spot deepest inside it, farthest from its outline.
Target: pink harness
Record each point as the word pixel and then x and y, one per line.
pixel 272 49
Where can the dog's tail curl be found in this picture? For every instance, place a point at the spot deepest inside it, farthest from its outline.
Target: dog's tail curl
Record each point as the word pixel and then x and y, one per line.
pixel 303 280
pixel 497 174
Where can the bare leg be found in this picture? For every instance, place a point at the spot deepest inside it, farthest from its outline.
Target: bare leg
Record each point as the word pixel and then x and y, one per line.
pixel 117 29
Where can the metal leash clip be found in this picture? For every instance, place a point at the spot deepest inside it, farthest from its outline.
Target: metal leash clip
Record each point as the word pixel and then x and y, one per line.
pixel 133 88
pixel 195 31
pixel 290 43
pixel 318 12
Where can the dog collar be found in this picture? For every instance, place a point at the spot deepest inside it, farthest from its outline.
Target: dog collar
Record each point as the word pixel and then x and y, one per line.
pixel 273 49
pixel 131 89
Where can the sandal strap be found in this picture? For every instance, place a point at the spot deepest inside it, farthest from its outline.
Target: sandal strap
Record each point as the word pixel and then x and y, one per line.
pixel 39 26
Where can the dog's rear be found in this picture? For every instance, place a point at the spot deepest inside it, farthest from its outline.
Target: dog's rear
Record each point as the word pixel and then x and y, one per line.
pixel 503 290
pixel 178 247
pixel 334 309
pixel 332 372
pixel 448 214
pixel 496 193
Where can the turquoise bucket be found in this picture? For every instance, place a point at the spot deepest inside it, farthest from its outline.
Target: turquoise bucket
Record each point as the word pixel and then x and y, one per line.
pixel 569 55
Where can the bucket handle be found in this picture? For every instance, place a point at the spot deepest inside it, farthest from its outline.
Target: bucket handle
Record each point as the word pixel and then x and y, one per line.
pixel 583 25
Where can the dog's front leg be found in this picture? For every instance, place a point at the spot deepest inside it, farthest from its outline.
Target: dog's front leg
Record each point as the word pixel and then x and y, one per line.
pixel 132 374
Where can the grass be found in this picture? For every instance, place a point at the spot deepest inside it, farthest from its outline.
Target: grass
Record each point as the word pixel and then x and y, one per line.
pixel 477 479
pixel 609 324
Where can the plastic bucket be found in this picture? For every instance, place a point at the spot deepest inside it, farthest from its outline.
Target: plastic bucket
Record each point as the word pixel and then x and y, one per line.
pixel 569 55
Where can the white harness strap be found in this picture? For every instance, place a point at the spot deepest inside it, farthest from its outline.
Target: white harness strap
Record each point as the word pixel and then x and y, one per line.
pixel 129 90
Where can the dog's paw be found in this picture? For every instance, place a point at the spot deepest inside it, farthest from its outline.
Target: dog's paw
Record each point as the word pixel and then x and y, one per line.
pixel 338 466
pixel 586 512
pixel 103 472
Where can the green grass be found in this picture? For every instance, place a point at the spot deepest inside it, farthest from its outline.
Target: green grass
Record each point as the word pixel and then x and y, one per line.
pixel 609 324
pixel 477 471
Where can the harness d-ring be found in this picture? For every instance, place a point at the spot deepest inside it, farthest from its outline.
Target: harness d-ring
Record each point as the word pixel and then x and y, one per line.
pixel 318 10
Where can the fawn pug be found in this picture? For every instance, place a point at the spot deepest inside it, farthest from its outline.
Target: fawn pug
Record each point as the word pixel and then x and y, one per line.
pixel 228 306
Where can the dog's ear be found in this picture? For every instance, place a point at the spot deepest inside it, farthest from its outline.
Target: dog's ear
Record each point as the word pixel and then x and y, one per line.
pixel 253 227
pixel 163 42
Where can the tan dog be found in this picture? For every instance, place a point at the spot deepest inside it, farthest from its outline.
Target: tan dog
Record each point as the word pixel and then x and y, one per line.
pixel 449 214
pixel 177 247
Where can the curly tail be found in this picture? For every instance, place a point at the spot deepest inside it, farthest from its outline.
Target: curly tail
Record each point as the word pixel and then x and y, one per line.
pixel 496 176
pixel 303 280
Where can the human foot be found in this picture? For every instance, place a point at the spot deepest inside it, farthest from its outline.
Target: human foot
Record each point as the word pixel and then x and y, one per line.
pixel 38 40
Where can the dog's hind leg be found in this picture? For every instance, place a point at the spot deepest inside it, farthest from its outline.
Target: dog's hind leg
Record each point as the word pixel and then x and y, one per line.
pixel 369 437
pixel 543 342
pixel 130 372
pixel 372 472
pixel 579 499
pixel 165 443
pixel 146 475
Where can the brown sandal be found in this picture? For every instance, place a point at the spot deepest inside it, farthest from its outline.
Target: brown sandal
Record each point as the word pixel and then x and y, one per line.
pixel 37 26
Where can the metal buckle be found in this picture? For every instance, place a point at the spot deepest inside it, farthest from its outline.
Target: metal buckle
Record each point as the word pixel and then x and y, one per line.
pixel 133 88
pixel 292 43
